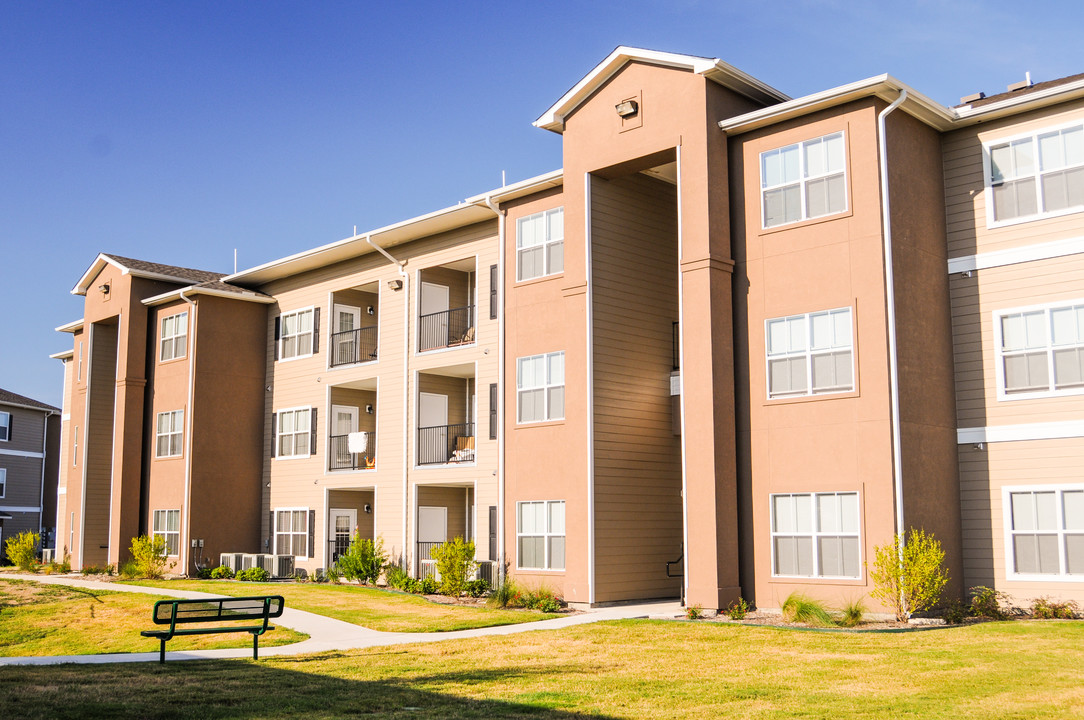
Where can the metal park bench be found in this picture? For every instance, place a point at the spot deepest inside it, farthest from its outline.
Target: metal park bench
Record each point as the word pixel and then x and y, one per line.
pixel 253 610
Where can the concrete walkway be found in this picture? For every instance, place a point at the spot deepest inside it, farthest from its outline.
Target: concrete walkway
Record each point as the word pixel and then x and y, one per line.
pixel 324 633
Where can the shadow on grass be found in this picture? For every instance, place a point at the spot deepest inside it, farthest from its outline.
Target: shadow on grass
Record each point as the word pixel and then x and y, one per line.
pixel 239 689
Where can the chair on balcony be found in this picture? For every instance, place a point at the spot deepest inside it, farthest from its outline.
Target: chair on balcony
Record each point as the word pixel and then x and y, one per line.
pixel 464 449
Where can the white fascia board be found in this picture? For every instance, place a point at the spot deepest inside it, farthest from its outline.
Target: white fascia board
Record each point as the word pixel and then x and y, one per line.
pixel 247 296
pixel 1011 105
pixel 65 355
pixel 1013 256
pixel 74 326
pixel 1014 433
pixel 554 178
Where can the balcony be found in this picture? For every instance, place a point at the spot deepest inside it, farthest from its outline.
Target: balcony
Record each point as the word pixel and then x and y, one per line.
pixel 355 316
pixel 352 426
pixel 354 451
pixel 353 346
pixel 448 328
pixel 446 444
pixel 447 297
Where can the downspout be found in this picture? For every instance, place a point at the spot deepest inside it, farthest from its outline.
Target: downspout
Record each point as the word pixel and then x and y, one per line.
pixel 501 219
pixel 44 458
pixel 685 547
pixel 185 524
pixel 890 291
pixel 406 386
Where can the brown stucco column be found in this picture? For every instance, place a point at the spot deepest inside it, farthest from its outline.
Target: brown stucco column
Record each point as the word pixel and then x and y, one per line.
pixel 127 468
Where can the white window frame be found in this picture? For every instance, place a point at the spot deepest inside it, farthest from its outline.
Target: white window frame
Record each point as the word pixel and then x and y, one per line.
pixel 165 532
pixel 75 446
pixel 548 241
pixel 547 535
pixel 311 311
pixel 999 352
pixel 279 434
pixel 987 168
pixel 304 532
pixel 5 425
pixel 3 482
pixel 545 387
pixel 1009 532
pixel 803 181
pixel 809 353
pixel 173 433
pixel 175 339
pixel 815 534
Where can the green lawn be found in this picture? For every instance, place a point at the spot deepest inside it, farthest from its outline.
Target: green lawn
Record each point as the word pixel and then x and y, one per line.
pixel 630 669
pixel 40 619
pixel 369 607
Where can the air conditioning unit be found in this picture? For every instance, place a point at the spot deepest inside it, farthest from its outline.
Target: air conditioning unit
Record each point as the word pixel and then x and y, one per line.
pixel 47 555
pixel 283 566
pixel 231 560
pixel 249 561
pixel 486 571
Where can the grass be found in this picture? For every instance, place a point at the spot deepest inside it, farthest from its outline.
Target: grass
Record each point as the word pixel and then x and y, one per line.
pixel 629 669
pixel 38 619
pixel 799 608
pixel 369 607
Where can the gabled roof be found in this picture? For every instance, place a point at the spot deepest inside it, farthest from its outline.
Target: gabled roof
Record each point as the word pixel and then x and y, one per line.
pixel 143 269
pixel 9 398
pixel 216 288
pixel 712 68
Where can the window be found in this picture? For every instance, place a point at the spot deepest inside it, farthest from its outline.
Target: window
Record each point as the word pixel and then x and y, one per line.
pixel 540 535
pixel 174 336
pixel 803 181
pixel 295 432
pixel 292 532
pixel 1040 351
pixel 5 426
pixel 540 385
pixel 813 346
pixel 170 433
pixel 3 481
pixel 75 446
pixel 1045 531
pixel 167 524
pixel 540 244
pixel 815 535
pixel 295 332
pixel 1040 174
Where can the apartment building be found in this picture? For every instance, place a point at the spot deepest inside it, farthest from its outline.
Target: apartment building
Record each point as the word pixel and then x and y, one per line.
pixel 732 346
pixel 29 438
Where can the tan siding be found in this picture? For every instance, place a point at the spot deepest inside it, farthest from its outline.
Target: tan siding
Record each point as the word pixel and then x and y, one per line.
pixel 99 439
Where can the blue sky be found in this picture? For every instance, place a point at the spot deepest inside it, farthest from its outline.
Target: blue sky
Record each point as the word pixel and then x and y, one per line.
pixel 177 132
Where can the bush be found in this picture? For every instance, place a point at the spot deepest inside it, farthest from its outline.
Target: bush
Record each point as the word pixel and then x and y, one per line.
pixel 95 570
pixel 128 570
pixel 694 612
pixel 253 574
pixel 455 563
pixel 853 613
pixel 955 613
pixel 222 572
pixel 428 586
pixel 504 595
pixel 396 577
pixel 542 599
pixel 803 609
pixel 915 584
pixel 738 609
pixel 363 560
pixel 986 603
pixel 149 556
pixel 477 588
pixel 1047 609
pixel 22 550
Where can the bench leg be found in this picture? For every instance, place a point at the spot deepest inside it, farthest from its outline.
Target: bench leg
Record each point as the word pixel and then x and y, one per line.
pixel 255 646
pixel 162 652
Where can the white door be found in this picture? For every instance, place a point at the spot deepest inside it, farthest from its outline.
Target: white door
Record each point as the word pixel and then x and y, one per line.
pixel 341 526
pixel 344 420
pixel 433 439
pixel 347 319
pixel 434 328
pixel 432 531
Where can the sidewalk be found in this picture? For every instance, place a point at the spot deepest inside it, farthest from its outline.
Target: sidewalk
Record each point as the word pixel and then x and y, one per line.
pixel 325 633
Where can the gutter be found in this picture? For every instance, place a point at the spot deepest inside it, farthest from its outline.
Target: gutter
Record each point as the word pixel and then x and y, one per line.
pixel 186 528
pixel 501 376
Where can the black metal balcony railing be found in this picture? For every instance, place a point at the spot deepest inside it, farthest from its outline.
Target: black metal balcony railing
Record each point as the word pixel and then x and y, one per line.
pixel 427 566
pixel 340 457
pixel 353 346
pixel 444 444
pixel 446 329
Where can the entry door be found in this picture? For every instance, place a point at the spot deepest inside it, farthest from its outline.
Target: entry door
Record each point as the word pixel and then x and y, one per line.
pixel 344 420
pixel 341 531
pixel 432 531
pixel 433 442
pixel 347 319
pixel 434 330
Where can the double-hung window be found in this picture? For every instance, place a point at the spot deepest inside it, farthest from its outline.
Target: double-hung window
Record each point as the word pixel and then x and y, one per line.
pixel 810 354
pixel 169 436
pixel 3 482
pixel 1040 350
pixel 540 535
pixel 816 535
pixel 540 244
pixel 294 433
pixel 296 334
pixel 292 532
pixel 1045 532
pixel 1037 175
pixel 174 336
pixel 5 426
pixel 540 387
pixel 167 525
pixel 804 180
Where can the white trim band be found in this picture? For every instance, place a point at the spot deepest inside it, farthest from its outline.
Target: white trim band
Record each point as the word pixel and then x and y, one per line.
pixel 1013 433
pixel 23 453
pixel 1012 256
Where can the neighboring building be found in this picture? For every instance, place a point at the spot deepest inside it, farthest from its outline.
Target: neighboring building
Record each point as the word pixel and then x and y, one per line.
pixel 29 441
pixel 688 342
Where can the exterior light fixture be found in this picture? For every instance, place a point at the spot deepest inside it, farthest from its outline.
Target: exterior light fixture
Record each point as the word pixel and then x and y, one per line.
pixel 395 284
pixel 370 310
pixel 104 289
pixel 627 108
pixel 369 409
pixel 368 509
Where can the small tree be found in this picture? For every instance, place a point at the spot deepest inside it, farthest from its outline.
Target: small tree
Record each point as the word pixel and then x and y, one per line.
pixel 363 560
pixel 149 556
pixel 22 550
pixel 912 581
pixel 455 563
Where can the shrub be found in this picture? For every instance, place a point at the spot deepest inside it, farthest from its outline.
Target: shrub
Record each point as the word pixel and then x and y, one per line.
pixel 738 609
pixel 149 555
pixel 22 550
pixel 128 569
pixel 253 574
pixel 64 566
pixel 396 577
pixel 913 582
pixel 800 608
pixel 853 613
pixel 222 572
pixel 95 570
pixel 986 603
pixel 504 594
pixel 477 588
pixel 455 563
pixel 363 560
pixel 955 613
pixel 428 586
pixel 542 599
pixel 694 612
pixel 1047 609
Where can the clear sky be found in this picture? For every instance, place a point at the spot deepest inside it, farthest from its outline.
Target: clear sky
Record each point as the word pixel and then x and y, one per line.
pixel 178 131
